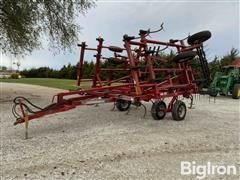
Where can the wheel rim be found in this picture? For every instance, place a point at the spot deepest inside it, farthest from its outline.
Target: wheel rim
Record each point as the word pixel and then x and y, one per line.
pixel 124 104
pixel 160 110
pixel 181 111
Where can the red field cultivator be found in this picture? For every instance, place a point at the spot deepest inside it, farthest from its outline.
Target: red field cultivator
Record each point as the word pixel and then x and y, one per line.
pixel 142 78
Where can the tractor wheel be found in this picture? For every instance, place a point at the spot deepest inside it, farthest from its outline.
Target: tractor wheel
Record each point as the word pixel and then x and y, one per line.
pixel 179 110
pixel 123 105
pixel 199 37
pixel 222 94
pixel 236 91
pixel 184 56
pixel 157 110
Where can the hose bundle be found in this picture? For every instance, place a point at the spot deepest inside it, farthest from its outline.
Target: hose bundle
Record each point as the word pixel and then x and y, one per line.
pixel 29 106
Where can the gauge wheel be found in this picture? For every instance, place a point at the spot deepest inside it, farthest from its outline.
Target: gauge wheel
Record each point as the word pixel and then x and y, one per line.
pixel 184 56
pixel 123 105
pixel 213 93
pixel 179 110
pixel 158 110
pixel 199 37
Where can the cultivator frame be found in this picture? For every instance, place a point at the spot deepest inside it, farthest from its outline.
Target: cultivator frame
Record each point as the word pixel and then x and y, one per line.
pixel 140 83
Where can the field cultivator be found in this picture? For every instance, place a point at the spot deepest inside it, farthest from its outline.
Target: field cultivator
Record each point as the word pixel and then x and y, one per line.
pixel 142 78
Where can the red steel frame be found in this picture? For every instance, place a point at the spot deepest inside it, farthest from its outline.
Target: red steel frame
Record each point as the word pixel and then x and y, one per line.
pixel 131 87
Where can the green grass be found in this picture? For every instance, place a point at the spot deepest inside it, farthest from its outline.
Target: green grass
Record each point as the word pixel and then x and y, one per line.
pixel 49 82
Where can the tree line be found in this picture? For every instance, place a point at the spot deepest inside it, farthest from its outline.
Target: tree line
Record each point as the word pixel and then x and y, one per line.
pixel 66 72
pixel 70 71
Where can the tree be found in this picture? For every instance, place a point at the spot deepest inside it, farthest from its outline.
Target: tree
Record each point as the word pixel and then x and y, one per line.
pixel 63 72
pixel 24 23
pixel 3 68
pixel 214 66
pixel 230 57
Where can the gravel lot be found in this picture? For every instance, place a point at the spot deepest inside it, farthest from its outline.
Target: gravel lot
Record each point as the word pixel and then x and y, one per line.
pixel 96 143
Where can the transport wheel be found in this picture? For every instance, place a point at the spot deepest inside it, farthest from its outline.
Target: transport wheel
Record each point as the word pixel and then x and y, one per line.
pixel 199 37
pixel 123 105
pixel 184 56
pixel 179 110
pixel 157 110
pixel 236 91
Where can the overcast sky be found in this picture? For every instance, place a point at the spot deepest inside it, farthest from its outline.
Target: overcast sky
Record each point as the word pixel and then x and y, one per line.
pixel 113 19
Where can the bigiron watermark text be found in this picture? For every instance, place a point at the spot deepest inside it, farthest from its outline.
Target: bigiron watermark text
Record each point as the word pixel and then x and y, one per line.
pixel 203 170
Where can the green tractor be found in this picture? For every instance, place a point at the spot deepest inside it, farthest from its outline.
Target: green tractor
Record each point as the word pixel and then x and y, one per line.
pixel 227 81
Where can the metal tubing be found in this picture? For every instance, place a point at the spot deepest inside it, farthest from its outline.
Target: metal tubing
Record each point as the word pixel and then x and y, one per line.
pixel 151 75
pixel 80 65
pixel 97 65
pixel 134 72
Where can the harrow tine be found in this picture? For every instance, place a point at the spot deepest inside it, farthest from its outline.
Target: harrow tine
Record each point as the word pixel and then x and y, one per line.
pixel 214 99
pixel 114 106
pixel 149 49
pixel 145 110
pixel 191 102
pixel 154 48
pixel 96 105
pixel 128 111
pixel 157 50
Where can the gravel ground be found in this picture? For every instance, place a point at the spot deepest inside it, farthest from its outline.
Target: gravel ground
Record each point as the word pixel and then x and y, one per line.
pixel 96 143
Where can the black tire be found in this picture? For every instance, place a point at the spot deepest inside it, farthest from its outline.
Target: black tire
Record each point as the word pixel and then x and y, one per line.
pixel 213 93
pixel 123 105
pixel 236 91
pixel 114 61
pixel 184 56
pixel 115 49
pixel 179 110
pixel 199 37
pixel 157 110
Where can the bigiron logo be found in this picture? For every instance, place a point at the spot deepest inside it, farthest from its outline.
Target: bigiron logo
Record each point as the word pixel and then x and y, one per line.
pixel 203 170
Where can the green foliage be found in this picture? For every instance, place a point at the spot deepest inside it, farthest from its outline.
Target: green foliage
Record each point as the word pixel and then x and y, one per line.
pixel 23 24
pixel 3 68
pixel 230 57
pixel 14 76
pixel 218 63
pixel 88 69
pixel 40 72
pixel 66 72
